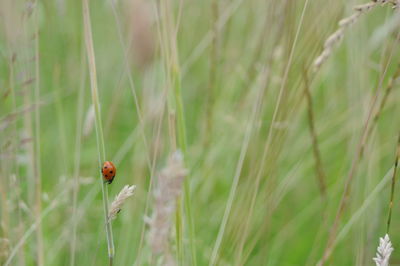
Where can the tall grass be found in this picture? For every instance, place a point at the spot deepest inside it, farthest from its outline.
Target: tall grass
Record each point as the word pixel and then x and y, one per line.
pixel 78 142
pixel 37 167
pixel 396 163
pixel 168 34
pixel 356 160
pixel 272 104
pixel 98 124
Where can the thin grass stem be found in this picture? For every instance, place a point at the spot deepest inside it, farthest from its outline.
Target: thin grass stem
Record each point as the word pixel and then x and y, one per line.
pixel 168 34
pixel 396 163
pixel 351 174
pixel 38 177
pixel 98 123
pixel 321 177
pixel 75 190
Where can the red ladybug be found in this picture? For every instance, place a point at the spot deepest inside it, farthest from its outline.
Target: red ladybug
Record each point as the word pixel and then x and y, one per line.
pixel 108 170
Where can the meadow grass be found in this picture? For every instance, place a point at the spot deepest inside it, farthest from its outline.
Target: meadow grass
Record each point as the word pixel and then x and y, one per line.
pixel 285 112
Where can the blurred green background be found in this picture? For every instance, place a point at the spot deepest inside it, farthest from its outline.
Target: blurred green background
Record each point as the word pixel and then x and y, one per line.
pixel 249 150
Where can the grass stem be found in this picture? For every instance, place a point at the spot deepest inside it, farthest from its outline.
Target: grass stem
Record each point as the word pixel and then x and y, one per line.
pixel 98 123
pixel 396 163
pixel 321 177
pixel 38 178
pixel 169 47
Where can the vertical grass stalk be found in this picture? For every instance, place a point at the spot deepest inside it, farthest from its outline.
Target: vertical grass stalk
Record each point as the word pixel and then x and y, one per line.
pixel 357 158
pixel 396 163
pixel 182 143
pixel 321 177
pixel 75 190
pixel 389 88
pixel 38 178
pixel 212 74
pixel 98 123
pixel 175 106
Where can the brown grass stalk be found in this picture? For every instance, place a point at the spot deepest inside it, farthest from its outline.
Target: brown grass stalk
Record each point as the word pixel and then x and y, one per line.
pixel 321 176
pixel 389 88
pixel 357 158
pixel 396 162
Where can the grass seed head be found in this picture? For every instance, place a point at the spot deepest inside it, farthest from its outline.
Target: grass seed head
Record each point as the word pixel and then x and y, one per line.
pixel 169 187
pixel 120 199
pixel 384 251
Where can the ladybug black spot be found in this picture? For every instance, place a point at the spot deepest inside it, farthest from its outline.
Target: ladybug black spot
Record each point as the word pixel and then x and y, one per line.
pixel 105 167
pixel 106 175
pixel 110 172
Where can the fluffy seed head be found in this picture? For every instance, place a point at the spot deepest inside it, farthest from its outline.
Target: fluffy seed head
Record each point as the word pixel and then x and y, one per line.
pixel 168 188
pixel 116 205
pixel 383 252
pixel 334 39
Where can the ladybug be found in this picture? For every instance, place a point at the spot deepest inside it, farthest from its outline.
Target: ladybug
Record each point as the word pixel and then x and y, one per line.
pixel 108 171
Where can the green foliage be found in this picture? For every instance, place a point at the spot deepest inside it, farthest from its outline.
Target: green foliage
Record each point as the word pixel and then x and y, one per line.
pixel 287 223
